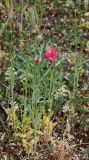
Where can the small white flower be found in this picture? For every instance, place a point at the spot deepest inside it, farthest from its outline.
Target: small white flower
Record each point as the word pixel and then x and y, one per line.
pixel 66 107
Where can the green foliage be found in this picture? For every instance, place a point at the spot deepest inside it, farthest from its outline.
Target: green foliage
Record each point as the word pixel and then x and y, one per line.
pixel 38 90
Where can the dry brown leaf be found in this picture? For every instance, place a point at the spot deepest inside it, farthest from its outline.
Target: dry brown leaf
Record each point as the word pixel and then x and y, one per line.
pixel 2 53
pixel 86 14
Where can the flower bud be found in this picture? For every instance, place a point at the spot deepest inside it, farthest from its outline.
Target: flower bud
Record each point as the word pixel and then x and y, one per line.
pixel 40 59
pixel 36 59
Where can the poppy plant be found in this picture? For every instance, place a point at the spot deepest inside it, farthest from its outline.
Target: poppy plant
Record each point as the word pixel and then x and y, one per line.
pixel 51 55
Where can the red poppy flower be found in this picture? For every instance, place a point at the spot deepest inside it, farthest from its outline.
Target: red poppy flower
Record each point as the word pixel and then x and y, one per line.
pixel 52 55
